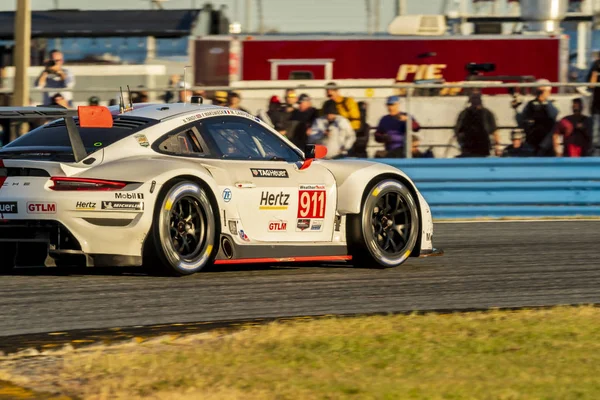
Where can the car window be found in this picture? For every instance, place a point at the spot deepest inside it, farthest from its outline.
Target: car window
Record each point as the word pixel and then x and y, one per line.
pixel 185 143
pixel 54 134
pixel 242 139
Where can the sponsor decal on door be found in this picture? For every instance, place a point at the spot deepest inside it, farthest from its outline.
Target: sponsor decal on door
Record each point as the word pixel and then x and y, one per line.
pixel 271 201
pixel 277 226
pixel 269 173
pixel 312 200
pixel 302 225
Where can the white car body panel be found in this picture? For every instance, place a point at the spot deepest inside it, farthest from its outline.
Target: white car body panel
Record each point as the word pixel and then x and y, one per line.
pixel 271 211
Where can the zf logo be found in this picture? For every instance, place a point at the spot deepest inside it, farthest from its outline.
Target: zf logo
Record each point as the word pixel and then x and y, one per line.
pixel 227 195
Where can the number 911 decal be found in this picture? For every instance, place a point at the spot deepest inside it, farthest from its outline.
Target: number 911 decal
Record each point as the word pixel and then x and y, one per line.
pixel 311 201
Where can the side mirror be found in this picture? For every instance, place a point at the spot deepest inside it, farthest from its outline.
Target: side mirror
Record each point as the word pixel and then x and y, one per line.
pixel 312 151
pixel 315 151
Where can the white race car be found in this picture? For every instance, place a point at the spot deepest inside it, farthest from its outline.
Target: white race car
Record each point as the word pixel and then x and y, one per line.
pixel 185 186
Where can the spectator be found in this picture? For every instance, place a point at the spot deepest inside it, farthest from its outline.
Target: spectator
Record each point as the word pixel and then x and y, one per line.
pixel 576 130
pixel 333 131
pixel 362 135
pixel 473 128
pixel 392 130
pixel 518 148
pixel 538 119
pixel 594 77
pixel 275 115
pixel 290 100
pixel 59 100
pixel 234 102
pixel 94 101
pixel 173 83
pixel 301 121
pixel 346 106
pixel 220 98
pixel 54 76
pixel 416 153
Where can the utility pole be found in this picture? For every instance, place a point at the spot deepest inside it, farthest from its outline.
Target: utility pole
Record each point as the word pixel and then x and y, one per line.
pixel 22 53
pixel 247 13
pixel 261 19
pixel 401 7
pixel 376 14
pixel 368 9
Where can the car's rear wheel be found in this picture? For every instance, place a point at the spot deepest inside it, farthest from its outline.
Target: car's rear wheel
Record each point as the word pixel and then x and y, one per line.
pixel 385 232
pixel 182 238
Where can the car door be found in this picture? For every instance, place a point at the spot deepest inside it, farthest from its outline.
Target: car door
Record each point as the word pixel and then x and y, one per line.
pixel 276 200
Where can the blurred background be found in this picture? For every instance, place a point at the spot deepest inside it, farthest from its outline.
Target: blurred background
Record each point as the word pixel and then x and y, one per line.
pixel 371 49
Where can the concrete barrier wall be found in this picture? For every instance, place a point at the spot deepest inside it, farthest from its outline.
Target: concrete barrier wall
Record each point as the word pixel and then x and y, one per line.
pixel 495 187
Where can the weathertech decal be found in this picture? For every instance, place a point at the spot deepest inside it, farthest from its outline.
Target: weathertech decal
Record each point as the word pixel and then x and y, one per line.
pixel 9 207
pixel 269 173
pixel 41 208
pixel 122 205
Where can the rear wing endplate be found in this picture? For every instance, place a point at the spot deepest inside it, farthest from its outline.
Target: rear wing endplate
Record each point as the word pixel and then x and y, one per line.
pixel 89 117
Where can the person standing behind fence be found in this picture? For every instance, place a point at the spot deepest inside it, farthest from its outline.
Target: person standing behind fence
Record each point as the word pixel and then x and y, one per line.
pixel 346 106
pixel 54 76
pixel 576 130
pixel 538 119
pixel 333 131
pixel 474 126
pixel 301 121
pixel 392 130
pixel 594 77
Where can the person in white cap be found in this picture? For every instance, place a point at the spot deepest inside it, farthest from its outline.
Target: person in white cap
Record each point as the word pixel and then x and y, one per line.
pixel 538 119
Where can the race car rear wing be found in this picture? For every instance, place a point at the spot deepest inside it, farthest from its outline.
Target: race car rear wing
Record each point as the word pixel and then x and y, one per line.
pixel 89 117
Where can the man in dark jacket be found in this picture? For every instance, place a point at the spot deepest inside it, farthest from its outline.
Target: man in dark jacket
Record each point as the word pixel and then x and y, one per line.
pixel 576 130
pixel 473 128
pixel 538 120
pixel 301 120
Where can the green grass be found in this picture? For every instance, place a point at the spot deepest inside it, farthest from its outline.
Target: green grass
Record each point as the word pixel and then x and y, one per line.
pixel 530 354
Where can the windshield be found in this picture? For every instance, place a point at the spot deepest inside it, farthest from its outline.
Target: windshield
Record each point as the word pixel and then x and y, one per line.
pixel 53 138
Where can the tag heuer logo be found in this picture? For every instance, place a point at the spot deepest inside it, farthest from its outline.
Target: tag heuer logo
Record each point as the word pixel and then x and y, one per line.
pixel 269 173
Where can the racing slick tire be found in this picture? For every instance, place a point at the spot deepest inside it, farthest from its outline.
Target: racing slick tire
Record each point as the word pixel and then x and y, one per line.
pixel 184 230
pixel 385 232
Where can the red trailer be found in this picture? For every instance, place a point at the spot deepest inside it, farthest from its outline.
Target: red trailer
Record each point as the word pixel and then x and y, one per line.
pixel 222 61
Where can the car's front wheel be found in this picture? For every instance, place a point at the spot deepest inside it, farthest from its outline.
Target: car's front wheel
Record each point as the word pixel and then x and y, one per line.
pixel 385 232
pixel 182 238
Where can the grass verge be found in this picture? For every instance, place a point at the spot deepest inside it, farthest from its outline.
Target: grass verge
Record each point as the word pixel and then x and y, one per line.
pixel 527 354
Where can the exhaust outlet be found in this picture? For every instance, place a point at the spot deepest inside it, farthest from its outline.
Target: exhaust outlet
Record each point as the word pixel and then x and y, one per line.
pixel 227 247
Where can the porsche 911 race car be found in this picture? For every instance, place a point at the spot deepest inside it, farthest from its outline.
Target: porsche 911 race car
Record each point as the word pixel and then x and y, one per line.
pixel 185 186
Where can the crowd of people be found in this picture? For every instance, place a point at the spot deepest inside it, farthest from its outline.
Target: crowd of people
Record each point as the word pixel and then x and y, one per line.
pixel 340 123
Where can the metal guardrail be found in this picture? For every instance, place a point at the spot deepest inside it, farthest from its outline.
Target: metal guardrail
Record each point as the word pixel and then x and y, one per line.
pixel 506 187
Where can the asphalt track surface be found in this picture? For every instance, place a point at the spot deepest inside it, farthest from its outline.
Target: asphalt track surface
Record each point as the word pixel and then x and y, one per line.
pixel 500 264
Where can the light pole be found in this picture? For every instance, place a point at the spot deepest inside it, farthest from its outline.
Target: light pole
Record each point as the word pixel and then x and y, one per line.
pixel 22 53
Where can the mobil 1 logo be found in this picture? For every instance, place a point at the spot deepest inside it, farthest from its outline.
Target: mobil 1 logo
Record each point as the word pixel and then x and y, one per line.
pixel 129 196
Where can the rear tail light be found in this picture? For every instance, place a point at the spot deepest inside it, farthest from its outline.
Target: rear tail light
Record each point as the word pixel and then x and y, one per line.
pixel 64 183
